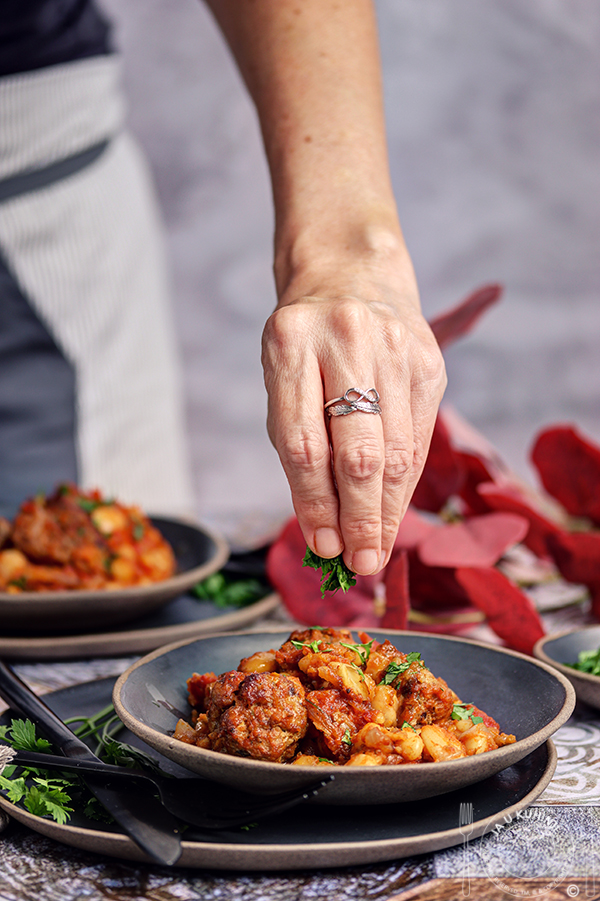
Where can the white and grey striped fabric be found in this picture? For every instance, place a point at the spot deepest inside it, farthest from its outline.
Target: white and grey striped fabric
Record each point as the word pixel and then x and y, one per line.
pixel 87 252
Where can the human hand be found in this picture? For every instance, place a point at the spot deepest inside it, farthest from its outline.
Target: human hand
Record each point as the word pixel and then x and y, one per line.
pixel 352 476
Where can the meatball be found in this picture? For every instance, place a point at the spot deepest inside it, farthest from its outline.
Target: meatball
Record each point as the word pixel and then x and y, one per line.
pixel 266 720
pixel 425 699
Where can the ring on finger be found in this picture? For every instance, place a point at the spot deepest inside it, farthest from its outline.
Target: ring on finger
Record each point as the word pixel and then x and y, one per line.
pixel 354 400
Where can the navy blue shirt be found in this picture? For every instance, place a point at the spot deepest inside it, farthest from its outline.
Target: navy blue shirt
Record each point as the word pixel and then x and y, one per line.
pixel 39 33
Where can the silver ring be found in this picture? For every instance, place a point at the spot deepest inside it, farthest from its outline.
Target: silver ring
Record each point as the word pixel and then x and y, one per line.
pixel 363 402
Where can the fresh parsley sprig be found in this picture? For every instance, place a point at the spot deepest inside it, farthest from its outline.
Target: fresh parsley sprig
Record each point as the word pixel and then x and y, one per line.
pixel 587 662
pixel 465 712
pixel 363 651
pixel 334 572
pixel 224 591
pixel 47 795
pixel 394 669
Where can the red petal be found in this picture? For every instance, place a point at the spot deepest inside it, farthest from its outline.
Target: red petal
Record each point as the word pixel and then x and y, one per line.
pixel 434 588
pixel 569 467
pixel 461 319
pixel 477 541
pixel 413 529
pixel 442 475
pixel 510 498
pixel 397 596
pixel 475 473
pixel 510 613
pixel 300 587
pixel 577 555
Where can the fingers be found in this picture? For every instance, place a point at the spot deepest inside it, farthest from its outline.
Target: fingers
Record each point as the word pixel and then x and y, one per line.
pixel 297 428
pixel 351 477
pixel 361 457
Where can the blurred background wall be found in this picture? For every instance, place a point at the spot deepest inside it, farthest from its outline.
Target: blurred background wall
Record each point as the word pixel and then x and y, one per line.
pixel 493 110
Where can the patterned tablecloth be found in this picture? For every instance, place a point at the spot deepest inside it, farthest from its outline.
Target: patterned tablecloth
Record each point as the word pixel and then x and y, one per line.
pixel 552 850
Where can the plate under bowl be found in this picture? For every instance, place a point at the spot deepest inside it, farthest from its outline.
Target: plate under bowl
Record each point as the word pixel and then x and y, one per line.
pixel 198 553
pixel 528 698
pixel 561 648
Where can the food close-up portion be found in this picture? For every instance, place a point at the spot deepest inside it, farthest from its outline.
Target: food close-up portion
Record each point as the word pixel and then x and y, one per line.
pixel 322 698
pixel 75 540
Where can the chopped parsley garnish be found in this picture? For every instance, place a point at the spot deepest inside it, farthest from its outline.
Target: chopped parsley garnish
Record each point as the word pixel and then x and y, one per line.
pixel 334 572
pixel 363 650
pixel 313 645
pixel 587 662
pixel 347 737
pixel 462 712
pixel 89 505
pixel 407 725
pixel 393 669
pixel 21 583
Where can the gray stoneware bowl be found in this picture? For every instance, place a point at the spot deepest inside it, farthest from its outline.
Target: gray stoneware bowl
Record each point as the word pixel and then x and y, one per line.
pixel 528 698
pixel 198 554
pixel 562 648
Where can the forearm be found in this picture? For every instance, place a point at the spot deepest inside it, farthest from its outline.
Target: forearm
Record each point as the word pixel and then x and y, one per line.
pixel 312 68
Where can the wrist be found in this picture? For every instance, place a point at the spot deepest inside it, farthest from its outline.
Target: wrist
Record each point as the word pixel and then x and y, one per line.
pixel 346 259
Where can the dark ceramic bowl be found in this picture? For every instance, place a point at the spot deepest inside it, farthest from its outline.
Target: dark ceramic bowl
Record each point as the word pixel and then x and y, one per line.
pixel 198 553
pixel 527 698
pixel 562 648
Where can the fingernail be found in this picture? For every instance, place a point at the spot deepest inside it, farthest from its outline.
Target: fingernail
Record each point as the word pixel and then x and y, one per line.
pixel 365 562
pixel 328 543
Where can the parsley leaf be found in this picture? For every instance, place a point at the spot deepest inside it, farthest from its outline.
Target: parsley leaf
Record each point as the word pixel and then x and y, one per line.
pixel 334 572
pixel 46 798
pixel 23 737
pixel 89 505
pixel 393 669
pixel 587 662
pixel 362 650
pixel 47 795
pixel 460 712
pixel 313 645
pixel 225 592
pixel 465 712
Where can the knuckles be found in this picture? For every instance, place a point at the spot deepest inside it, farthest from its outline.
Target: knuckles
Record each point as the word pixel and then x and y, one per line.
pixel 359 463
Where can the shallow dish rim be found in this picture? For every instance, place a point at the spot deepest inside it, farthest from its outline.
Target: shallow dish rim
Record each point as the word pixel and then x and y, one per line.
pixel 541 735
pixel 539 651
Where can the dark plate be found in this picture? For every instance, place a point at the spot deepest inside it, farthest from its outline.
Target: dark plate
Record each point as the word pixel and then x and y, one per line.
pixel 526 697
pixel 198 553
pixel 561 648
pixel 310 838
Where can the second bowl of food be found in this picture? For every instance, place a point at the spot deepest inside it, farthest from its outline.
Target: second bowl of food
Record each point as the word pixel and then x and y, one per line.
pixel 394 716
pixel 576 654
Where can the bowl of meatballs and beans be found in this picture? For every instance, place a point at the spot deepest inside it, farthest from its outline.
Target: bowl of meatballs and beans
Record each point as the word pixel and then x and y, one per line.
pixel 392 716
pixel 75 559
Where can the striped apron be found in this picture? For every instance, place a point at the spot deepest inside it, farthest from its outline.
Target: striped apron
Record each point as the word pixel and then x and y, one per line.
pixel 90 382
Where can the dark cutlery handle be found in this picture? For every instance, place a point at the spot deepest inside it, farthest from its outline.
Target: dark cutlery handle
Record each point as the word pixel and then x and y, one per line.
pixel 19 696
pixel 75 765
pixel 142 817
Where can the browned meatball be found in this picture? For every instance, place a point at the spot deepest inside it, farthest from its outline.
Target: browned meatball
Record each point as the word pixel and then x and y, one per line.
pixel 221 695
pixel 335 721
pixel 266 721
pixel 425 699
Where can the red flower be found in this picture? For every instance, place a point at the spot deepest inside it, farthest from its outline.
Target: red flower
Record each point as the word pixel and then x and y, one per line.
pixel 569 467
